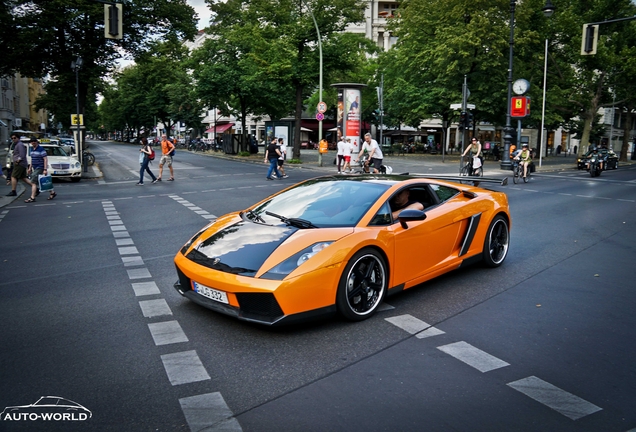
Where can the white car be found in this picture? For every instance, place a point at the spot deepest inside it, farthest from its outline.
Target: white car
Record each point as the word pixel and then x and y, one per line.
pixel 61 164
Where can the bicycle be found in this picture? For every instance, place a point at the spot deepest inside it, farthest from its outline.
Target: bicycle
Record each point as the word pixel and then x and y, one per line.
pixel 88 157
pixel 467 169
pixel 517 171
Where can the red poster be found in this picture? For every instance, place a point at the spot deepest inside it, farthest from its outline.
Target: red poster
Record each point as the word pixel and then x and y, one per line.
pixel 519 106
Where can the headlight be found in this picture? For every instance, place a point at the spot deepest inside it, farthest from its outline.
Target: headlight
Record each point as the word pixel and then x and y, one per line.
pixel 293 262
pixel 77 164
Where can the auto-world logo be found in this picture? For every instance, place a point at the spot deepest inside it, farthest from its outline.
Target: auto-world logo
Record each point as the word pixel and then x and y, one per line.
pixel 47 408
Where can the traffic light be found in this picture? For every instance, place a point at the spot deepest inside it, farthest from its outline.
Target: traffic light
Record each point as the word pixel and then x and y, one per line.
pixel 589 39
pixel 469 120
pixel 113 18
pixel 462 120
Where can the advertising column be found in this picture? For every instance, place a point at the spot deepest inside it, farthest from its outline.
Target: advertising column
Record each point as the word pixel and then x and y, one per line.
pixel 349 108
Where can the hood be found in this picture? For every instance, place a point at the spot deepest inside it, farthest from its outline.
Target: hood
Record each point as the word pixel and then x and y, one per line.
pixel 241 248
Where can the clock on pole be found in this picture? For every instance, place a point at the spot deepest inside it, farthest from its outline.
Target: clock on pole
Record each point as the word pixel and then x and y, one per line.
pixel 520 86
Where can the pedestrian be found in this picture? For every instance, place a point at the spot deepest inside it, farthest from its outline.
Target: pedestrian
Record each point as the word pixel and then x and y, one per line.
pixel 271 155
pixel 346 155
pixel 495 152
pixel 167 149
pixel 375 154
pixel 340 146
pixel 144 160
pixel 38 166
pixel 282 147
pixel 20 166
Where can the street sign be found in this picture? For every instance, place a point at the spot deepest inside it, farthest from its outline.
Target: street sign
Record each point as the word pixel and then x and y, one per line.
pixel 320 116
pixel 322 107
pixel 74 119
pixel 459 106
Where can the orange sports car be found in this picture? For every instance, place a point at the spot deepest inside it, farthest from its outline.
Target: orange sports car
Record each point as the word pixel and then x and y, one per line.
pixel 341 244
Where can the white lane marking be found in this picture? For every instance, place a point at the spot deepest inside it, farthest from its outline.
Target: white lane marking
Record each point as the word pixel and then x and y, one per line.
pixel 124 242
pixel 121 234
pixel 626 200
pixel 140 273
pixel 132 261
pixel 559 400
pixel 115 222
pixel 198 210
pixel 209 412
pixel 408 323
pixel 429 332
pixel 128 250
pixel 166 333
pixel 184 367
pixel 472 356
pixel 153 308
pixel 145 288
pixel 113 217
pixel 202 212
pixel 118 228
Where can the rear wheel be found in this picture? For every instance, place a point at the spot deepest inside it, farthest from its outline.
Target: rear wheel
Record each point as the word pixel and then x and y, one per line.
pixel 515 175
pixel 496 242
pixel 479 172
pixel 464 171
pixel 362 286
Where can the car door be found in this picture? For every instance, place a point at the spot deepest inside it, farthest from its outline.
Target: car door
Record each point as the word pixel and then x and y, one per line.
pixel 428 246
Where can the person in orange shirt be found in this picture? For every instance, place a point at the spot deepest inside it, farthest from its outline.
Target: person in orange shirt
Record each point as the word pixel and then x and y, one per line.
pixel 166 157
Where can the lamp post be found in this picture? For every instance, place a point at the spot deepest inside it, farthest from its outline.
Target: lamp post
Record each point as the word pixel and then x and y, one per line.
pixel 548 10
pixel 76 66
pixel 508 130
pixel 320 81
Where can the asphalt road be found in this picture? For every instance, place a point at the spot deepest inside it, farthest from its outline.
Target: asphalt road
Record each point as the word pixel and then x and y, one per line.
pixel 88 313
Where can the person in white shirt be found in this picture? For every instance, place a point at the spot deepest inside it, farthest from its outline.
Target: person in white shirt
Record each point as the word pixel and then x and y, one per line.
pixel 283 155
pixel 346 155
pixel 340 154
pixel 375 154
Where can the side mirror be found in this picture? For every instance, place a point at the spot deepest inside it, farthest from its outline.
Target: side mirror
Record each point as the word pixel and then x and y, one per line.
pixel 410 215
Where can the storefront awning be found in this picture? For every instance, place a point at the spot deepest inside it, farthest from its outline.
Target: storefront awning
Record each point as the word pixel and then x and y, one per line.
pixel 220 128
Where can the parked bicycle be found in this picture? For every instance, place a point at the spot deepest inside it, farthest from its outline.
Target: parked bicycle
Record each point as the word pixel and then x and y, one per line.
pixel 88 157
pixel 468 170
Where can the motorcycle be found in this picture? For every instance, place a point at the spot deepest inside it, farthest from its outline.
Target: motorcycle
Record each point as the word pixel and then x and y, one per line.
pixel 594 166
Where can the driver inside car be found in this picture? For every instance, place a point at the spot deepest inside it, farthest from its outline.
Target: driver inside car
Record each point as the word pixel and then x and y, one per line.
pixel 402 201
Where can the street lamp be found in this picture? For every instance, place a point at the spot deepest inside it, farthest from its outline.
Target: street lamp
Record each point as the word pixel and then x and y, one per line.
pixel 548 10
pixel 76 66
pixel 320 80
pixel 508 130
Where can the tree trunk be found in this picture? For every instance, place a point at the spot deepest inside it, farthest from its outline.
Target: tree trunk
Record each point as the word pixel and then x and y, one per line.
pixel 627 127
pixel 298 117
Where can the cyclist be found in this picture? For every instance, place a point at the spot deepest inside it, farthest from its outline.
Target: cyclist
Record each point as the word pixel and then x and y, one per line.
pixel 525 158
pixel 475 149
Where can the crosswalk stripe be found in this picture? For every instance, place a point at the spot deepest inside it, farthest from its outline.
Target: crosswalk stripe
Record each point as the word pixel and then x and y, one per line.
pixel 167 332
pixel 480 360
pixel 153 308
pixel 184 367
pixel 209 412
pixel 559 400
pixel 145 288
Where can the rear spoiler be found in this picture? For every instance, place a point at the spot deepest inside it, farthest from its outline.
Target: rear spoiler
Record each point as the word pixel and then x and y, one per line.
pixel 461 179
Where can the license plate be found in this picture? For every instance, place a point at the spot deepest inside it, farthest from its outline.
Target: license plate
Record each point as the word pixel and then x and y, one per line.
pixel 210 293
pixel 60 172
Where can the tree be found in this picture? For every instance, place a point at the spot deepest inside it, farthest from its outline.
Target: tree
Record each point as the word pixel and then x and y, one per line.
pixel 41 38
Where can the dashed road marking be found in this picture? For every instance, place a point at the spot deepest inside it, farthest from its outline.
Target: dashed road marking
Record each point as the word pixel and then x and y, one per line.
pixel 145 288
pixel 184 367
pixel 193 207
pixel 209 412
pixel 559 400
pixel 166 333
pixel 480 360
pixel 139 273
pixel 132 261
pixel 153 308
pixel 414 326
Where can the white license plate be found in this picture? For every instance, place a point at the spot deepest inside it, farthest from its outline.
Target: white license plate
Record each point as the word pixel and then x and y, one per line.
pixel 210 293
pixel 60 172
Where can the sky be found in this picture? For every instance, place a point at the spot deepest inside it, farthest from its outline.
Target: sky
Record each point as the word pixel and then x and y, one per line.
pixel 202 11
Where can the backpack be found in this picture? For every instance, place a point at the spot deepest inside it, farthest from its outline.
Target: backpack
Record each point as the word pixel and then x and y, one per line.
pixel 151 156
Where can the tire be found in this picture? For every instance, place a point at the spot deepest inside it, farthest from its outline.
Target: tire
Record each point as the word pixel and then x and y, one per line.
pixel 75 179
pixel 362 286
pixel 496 242
pixel 479 172
pixel 464 171
pixel 90 158
pixel 515 175
pixel 526 178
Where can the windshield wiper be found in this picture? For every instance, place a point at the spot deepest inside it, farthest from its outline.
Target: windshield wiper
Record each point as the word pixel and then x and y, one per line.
pixel 253 216
pixel 296 222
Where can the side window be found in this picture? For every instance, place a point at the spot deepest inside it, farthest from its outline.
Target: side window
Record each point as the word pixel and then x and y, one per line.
pixel 383 216
pixel 444 193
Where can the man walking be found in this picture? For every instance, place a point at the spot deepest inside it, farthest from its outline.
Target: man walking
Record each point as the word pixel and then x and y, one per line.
pixel 20 166
pixel 39 163
pixel 167 149
pixel 271 155
pixel 282 147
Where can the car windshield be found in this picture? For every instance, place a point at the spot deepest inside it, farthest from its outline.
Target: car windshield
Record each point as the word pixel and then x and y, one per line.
pixel 55 151
pixel 322 203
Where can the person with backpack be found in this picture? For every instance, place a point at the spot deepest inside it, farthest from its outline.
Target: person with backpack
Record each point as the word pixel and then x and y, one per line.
pixel 146 155
pixel 167 151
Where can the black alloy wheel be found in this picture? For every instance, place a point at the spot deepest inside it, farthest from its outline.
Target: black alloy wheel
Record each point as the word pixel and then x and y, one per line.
pixel 362 286
pixel 496 242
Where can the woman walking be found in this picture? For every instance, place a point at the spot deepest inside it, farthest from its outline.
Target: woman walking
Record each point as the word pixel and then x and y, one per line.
pixel 144 160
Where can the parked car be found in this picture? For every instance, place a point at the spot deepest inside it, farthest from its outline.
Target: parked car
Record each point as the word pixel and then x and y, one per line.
pixel 61 164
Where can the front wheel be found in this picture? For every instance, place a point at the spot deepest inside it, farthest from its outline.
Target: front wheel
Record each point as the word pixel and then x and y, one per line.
pixel 362 286
pixel 515 175
pixel 90 158
pixel 464 171
pixel 496 242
